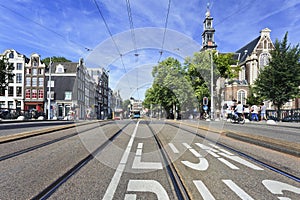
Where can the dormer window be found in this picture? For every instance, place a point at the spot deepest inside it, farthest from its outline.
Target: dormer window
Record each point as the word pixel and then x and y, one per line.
pixel 60 69
pixel 11 55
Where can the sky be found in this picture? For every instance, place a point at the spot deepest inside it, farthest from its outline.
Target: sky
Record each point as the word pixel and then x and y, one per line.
pixel 105 34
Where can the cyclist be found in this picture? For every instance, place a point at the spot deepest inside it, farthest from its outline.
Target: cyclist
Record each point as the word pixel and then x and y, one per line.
pixel 239 110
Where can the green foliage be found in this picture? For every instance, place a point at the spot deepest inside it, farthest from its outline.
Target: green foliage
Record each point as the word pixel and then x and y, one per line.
pixel 280 80
pixel 170 87
pixel 253 99
pixel 223 64
pixel 125 104
pixel 55 59
pixel 6 74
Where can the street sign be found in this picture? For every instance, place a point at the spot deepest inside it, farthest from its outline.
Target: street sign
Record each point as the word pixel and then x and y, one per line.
pixel 205 100
pixel 205 107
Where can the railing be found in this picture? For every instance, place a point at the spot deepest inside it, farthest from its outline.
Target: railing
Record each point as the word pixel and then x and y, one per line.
pixel 292 115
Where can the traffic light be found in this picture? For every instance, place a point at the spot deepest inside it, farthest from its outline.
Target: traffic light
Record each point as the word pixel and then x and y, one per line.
pixel 205 101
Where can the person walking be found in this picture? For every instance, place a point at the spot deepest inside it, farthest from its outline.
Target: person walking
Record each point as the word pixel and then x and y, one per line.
pixel 247 112
pixel 239 110
pixel 254 113
pixel 263 109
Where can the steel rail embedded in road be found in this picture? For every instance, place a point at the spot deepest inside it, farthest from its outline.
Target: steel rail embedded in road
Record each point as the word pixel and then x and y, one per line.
pixel 47 192
pixel 32 148
pixel 275 169
pixel 178 185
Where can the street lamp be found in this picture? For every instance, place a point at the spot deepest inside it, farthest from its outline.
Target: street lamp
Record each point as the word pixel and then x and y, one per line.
pixel 211 86
pixel 49 90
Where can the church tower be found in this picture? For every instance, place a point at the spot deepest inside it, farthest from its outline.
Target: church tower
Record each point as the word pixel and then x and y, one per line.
pixel 208 40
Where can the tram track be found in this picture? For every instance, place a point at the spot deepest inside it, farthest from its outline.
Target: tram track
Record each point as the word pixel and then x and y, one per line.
pixel 177 183
pixel 48 191
pixel 245 155
pixel 38 146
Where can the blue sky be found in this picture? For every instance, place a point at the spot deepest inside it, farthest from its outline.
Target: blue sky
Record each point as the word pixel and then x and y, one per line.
pixel 67 27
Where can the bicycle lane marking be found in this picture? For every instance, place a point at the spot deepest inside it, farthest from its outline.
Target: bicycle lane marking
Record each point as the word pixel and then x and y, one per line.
pixel 109 194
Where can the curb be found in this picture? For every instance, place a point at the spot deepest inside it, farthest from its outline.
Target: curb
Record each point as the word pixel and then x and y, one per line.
pixel 290 148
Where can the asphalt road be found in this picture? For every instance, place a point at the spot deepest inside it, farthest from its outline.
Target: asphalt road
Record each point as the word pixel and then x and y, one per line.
pixel 131 165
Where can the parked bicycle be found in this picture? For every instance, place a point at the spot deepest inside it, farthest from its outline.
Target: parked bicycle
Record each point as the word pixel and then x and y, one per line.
pixel 237 118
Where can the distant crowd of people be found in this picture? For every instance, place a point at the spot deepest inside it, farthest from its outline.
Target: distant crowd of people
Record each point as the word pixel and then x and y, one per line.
pixel 253 112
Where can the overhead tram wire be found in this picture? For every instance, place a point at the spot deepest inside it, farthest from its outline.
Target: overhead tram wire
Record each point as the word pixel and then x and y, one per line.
pixel 165 30
pixel 133 39
pixel 111 36
pixel 46 28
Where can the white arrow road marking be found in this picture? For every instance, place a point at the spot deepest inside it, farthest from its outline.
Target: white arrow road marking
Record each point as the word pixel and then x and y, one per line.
pixel 236 189
pixel 148 186
pixel 138 164
pixel 205 193
pixel 203 163
pixel 277 187
pixel 109 194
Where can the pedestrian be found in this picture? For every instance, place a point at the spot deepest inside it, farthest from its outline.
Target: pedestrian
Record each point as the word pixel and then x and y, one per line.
pixel 254 113
pixel 224 111
pixel 263 109
pixel 247 112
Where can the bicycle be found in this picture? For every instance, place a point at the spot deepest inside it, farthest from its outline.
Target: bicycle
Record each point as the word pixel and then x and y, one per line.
pixel 237 118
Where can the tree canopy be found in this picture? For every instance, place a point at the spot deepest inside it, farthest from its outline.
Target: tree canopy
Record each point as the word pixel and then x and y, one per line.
pixel 6 74
pixel 55 59
pixel 280 80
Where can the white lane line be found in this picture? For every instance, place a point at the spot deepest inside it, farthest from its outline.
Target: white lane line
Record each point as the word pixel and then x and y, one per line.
pixel 241 161
pixel 236 189
pixel 212 153
pixel 109 194
pixel 186 145
pixel 229 164
pixel 205 193
pixel 174 149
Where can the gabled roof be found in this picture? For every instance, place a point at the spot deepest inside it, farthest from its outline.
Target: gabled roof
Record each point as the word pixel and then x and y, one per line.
pixel 247 49
pixel 69 67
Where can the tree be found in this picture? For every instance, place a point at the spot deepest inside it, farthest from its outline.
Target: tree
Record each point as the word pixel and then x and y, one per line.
pixel 55 59
pixel 6 73
pixel 198 70
pixel 280 80
pixel 170 88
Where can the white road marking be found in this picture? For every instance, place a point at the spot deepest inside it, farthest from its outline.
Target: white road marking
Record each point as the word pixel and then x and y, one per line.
pixel 217 147
pixel 236 189
pixel 130 197
pixel 205 193
pixel 201 166
pixel 196 154
pixel 212 153
pixel 138 164
pixel 148 186
pixel 241 161
pixel 277 187
pixel 229 164
pixel 109 194
pixel 186 145
pixel 174 149
pixel 204 147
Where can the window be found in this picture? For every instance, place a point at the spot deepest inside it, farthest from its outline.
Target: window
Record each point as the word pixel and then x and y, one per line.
pixel 41 81
pixel 263 60
pixel 18 78
pixel 10 104
pixel 10 91
pixel 28 71
pixel 2 104
pixel 10 79
pixel 2 92
pixel 41 94
pixel 35 64
pixel 68 95
pixel 241 96
pixel 34 81
pixel 27 94
pixel 19 66
pixel 11 55
pixel 19 91
pixel 34 71
pixel 41 71
pixel 28 81
pixel 34 94
pixel 59 69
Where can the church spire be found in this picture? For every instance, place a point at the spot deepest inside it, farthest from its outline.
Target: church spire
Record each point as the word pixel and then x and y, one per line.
pixel 208 41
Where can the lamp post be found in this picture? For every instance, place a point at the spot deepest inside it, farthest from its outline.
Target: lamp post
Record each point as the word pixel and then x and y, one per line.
pixel 211 86
pixel 49 90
